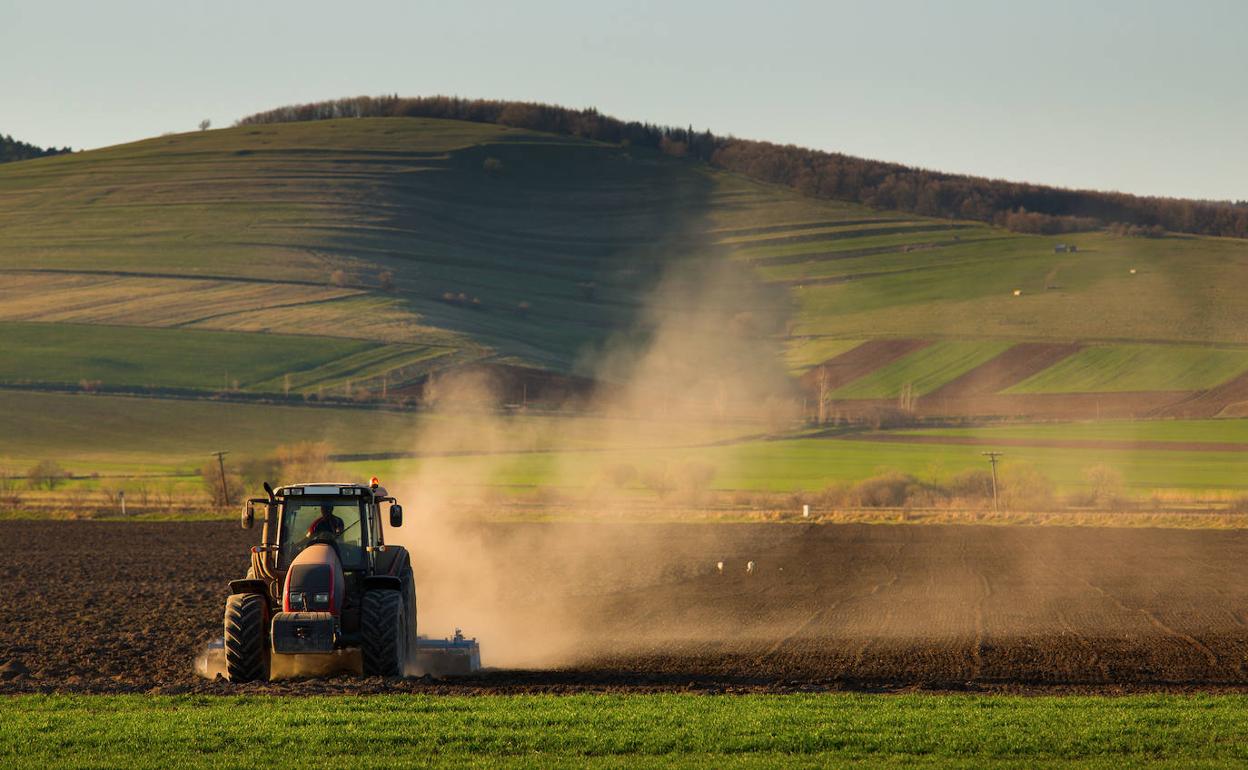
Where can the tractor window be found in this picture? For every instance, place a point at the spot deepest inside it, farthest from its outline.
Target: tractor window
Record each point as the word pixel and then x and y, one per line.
pixel 334 518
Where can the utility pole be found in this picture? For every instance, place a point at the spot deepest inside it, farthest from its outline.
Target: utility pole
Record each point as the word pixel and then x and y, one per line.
pixel 225 488
pixel 992 458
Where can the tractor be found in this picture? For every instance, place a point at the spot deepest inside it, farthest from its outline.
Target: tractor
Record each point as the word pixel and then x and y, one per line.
pixel 324 581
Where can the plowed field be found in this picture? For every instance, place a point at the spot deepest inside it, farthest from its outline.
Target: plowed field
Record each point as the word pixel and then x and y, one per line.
pixel 106 607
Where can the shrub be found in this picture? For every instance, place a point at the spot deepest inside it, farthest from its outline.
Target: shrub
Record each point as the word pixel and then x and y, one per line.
pixel 385 280
pixel 217 491
pixel 659 481
pixel 254 471
pixel 10 492
pixel 1106 485
pixel 695 476
pixel 46 474
pixel 304 461
pixel 338 278
pixel 492 166
pixel 891 489
pixel 972 485
pixel 1024 488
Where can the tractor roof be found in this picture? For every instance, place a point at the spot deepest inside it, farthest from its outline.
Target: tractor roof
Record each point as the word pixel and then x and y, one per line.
pixel 323 488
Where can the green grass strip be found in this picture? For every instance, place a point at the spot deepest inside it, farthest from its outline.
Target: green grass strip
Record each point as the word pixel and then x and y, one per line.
pixel 623 731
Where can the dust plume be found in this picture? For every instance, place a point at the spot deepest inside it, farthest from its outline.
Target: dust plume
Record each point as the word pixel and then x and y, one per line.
pixel 703 361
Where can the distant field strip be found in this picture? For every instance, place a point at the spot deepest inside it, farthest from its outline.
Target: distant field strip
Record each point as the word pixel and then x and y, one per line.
pixel 805 353
pixel 852 228
pixel 832 245
pixel 141 301
pixel 1122 368
pixel 744 234
pixel 399 362
pixel 1004 441
pixel 924 370
pixel 121 356
pixel 1229 431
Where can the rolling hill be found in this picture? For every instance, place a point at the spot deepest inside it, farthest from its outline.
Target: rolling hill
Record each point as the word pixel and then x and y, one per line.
pixel 349 259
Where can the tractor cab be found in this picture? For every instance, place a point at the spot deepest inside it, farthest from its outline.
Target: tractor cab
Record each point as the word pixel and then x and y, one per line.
pixel 346 517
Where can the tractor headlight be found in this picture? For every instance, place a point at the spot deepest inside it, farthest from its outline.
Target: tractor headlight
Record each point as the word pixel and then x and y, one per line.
pixel 296 599
pixel 320 598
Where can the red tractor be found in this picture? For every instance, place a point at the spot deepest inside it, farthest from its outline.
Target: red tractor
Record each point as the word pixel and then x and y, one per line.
pixel 323 581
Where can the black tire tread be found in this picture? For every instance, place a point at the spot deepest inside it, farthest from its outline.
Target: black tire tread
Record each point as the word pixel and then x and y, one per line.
pixel 246 643
pixel 382 647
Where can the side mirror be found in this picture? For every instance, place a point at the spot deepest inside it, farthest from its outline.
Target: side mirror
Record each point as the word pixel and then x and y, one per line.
pixel 249 515
pixel 396 515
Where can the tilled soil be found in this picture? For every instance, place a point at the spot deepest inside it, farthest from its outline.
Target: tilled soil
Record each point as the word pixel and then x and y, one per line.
pixel 1011 367
pixel 125 607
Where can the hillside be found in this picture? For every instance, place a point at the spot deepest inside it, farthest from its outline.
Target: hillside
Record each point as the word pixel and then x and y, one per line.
pixel 351 258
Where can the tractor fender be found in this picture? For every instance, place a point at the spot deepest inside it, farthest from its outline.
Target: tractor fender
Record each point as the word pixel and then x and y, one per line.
pixel 249 586
pixel 392 561
pixel 382 582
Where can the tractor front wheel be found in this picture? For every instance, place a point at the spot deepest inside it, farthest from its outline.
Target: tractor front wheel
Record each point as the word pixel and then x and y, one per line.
pixel 246 643
pixel 384 635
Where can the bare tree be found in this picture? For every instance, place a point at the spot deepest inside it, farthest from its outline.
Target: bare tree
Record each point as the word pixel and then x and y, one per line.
pixel 46 474
pixel 205 124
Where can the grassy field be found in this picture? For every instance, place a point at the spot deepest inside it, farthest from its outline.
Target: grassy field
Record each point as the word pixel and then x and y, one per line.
pixel 1181 292
pixel 121 436
pixel 124 435
pixel 1108 369
pixel 814 463
pixel 624 731
pixel 127 356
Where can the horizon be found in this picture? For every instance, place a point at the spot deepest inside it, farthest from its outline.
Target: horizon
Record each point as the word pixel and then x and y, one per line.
pixel 1128 99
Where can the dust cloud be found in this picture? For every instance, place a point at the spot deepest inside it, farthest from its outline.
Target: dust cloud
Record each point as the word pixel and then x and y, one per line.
pixel 702 362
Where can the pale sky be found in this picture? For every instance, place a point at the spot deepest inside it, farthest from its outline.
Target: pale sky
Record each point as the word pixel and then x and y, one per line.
pixel 1144 96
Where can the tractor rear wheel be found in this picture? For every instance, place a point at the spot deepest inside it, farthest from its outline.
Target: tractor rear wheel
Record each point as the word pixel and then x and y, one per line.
pixel 384 633
pixel 246 643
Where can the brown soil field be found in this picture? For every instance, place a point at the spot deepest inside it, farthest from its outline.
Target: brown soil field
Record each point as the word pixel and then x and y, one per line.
pixel 860 361
pixel 125 607
pixel 1010 368
pixel 1230 399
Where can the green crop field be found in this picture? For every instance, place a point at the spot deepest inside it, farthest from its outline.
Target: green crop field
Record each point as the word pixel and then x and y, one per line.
pixel 117 434
pixel 1138 367
pixel 967 290
pixel 814 463
pixel 924 370
pixel 201 360
pixel 624 731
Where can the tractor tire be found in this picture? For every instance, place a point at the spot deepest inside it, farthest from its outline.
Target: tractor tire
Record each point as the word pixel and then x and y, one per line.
pixel 246 638
pixel 409 609
pixel 383 633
